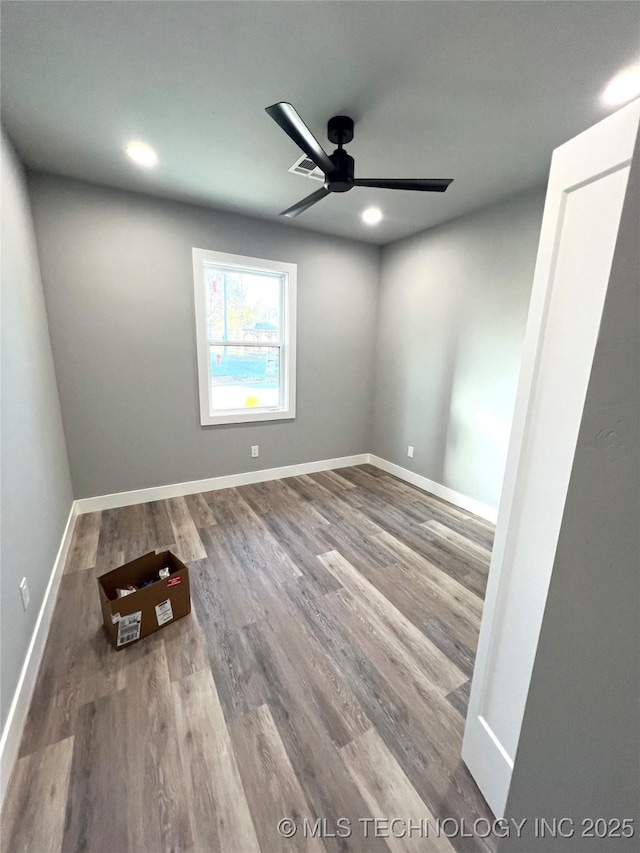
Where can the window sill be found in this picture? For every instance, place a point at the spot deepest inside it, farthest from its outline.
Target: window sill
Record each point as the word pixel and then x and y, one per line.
pixel 245 417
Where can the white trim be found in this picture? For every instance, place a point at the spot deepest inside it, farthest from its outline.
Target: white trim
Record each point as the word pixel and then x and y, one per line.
pixel 489 513
pixel 286 343
pixel 248 416
pixel 194 487
pixel 228 481
pixel 544 433
pixel 493 777
pixel 14 726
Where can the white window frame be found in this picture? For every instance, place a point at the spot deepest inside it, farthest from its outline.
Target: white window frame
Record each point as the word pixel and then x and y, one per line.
pixel 286 343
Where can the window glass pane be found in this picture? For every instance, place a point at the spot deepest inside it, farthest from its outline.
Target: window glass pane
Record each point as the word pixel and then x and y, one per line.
pixel 215 304
pixel 244 377
pixel 242 306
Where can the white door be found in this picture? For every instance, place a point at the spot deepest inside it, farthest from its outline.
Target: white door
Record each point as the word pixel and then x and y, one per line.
pixel 582 212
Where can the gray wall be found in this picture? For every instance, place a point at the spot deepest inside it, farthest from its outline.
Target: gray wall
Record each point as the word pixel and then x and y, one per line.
pixel 579 749
pixel 35 492
pixel 451 319
pixel 118 279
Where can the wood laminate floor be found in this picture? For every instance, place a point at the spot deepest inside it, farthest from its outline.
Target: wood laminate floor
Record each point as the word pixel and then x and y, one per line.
pixel 323 673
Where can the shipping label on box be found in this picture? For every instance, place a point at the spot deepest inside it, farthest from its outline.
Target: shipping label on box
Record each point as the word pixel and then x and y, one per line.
pixel 164 612
pixel 129 628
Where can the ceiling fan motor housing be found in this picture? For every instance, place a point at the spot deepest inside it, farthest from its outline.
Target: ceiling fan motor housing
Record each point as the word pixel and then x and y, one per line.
pixel 341 179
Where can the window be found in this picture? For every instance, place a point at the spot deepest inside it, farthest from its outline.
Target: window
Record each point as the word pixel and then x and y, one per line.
pixel 245 330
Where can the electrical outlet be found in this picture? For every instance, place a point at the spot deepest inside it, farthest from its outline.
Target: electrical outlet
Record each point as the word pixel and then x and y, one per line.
pixel 410 451
pixel 24 593
pixel 255 450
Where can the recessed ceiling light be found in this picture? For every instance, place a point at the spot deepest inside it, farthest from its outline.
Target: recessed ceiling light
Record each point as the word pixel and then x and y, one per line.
pixel 142 154
pixel 623 88
pixel 372 215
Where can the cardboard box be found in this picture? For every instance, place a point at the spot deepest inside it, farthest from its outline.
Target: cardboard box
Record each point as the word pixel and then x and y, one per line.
pixel 140 613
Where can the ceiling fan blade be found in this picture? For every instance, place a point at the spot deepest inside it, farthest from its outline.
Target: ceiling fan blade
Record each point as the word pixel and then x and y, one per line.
pixel 286 116
pixel 306 203
pixel 427 185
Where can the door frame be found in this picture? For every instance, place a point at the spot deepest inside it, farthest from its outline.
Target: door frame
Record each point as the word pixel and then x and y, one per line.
pixel 597 153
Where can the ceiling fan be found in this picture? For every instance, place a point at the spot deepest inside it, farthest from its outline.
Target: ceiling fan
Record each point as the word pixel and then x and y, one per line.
pixel 338 167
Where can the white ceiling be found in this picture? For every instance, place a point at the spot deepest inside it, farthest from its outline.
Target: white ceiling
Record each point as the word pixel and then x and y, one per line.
pixel 478 91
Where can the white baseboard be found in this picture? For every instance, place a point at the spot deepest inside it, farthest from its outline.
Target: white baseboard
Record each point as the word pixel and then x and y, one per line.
pixel 14 726
pixel 176 490
pixel 485 511
pixel 194 487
